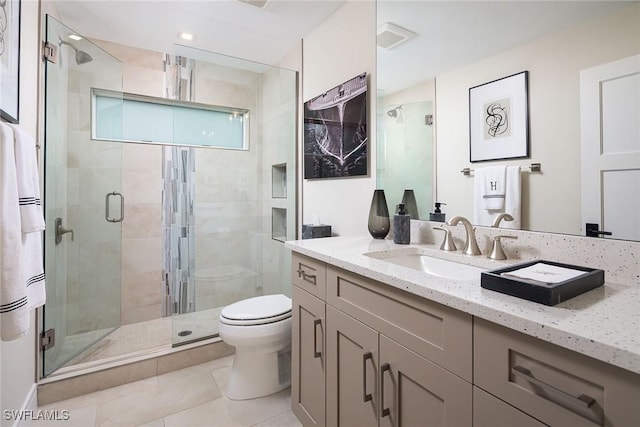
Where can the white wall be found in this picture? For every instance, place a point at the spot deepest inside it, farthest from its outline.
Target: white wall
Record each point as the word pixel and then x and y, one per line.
pixel 18 357
pixel 339 49
pixel 554 65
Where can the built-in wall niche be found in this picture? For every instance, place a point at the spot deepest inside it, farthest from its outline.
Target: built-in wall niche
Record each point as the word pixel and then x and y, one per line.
pixel 279 181
pixel 279 224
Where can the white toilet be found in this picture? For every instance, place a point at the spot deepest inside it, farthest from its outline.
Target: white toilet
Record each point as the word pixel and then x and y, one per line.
pixel 260 330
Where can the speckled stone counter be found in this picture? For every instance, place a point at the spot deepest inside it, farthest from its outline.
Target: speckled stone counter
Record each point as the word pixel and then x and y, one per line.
pixel 603 323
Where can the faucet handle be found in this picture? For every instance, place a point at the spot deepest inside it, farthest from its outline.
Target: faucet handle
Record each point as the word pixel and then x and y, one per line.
pixel 497 252
pixel 447 244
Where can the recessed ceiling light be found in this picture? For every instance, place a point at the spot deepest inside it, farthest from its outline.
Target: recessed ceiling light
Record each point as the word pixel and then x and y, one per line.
pixel 185 36
pixel 74 37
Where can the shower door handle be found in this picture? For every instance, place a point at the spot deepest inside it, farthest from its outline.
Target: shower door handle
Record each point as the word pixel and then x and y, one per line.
pixel 106 207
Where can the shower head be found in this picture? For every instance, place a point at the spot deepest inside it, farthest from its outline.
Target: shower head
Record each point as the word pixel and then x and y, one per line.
pixel 393 113
pixel 82 57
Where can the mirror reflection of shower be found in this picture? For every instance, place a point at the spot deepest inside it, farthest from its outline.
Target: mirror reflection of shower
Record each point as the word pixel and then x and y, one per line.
pixel 396 113
pixel 82 57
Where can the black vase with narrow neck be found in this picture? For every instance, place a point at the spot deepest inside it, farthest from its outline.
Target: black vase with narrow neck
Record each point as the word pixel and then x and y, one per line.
pixel 379 222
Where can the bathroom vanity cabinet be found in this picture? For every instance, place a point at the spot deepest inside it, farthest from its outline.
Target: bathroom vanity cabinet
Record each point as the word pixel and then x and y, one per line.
pixel 365 353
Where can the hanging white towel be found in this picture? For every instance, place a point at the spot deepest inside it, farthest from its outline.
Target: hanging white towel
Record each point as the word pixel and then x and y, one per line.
pixel 494 182
pixel 22 285
pixel 31 216
pixel 512 199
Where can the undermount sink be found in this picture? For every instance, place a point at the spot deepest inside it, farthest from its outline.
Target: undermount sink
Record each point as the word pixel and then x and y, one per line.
pixel 417 259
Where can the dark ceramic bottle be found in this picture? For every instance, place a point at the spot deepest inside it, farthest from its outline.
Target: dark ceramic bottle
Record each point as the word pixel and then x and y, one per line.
pixel 401 226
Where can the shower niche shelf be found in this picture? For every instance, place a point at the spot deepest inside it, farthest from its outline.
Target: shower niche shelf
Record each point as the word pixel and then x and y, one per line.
pixel 279 224
pixel 279 181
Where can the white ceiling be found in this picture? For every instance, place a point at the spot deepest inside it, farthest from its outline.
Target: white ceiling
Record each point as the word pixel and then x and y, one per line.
pixel 455 33
pixel 222 26
pixel 450 33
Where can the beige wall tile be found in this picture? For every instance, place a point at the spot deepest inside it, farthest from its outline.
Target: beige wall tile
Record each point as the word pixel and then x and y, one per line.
pixel 142 220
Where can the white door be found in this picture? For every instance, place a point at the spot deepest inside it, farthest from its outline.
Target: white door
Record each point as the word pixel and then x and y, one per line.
pixel 610 134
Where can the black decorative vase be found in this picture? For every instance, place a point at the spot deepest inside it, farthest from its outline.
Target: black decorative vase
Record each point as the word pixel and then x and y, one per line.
pixel 379 223
pixel 410 204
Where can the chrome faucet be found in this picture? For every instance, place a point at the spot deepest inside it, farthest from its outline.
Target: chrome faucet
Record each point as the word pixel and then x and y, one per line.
pixel 505 216
pixel 447 244
pixel 471 244
pixel 497 252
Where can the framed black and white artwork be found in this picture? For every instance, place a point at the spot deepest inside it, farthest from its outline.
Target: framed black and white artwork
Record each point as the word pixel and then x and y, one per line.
pixel 499 119
pixel 335 131
pixel 9 59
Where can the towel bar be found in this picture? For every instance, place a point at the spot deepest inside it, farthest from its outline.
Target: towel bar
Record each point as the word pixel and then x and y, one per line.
pixel 534 167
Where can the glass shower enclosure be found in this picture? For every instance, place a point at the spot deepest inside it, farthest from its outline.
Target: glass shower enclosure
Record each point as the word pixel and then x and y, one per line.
pixel 148 238
pixel 83 201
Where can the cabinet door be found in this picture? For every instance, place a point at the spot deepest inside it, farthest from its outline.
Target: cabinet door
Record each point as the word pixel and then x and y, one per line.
pixel 417 392
pixel 308 358
pixel 352 350
pixel 489 411
pixel 441 334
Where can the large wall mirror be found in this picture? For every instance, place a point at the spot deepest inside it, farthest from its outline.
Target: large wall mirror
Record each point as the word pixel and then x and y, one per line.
pixel 577 54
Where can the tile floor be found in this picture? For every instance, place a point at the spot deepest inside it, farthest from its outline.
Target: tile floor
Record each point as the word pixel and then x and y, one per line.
pixel 138 338
pixel 188 397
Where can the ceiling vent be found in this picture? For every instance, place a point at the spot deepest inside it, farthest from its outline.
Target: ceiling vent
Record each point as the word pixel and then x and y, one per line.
pixel 255 3
pixel 391 35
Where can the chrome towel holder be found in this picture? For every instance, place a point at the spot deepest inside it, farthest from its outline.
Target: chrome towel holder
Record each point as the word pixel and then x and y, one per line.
pixel 533 167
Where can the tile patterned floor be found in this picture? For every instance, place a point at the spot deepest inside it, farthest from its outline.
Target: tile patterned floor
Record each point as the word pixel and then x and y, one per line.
pixel 141 337
pixel 188 397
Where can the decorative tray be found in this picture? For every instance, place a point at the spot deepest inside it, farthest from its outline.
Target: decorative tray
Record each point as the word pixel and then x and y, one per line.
pixel 545 282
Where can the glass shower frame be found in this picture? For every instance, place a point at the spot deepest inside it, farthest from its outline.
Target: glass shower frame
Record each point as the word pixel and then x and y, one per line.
pixel 241 195
pixel 83 296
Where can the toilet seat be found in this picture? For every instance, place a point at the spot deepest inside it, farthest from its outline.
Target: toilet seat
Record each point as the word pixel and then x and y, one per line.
pixel 257 311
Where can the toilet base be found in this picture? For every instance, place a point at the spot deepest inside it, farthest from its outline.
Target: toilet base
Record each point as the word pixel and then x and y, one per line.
pixel 256 374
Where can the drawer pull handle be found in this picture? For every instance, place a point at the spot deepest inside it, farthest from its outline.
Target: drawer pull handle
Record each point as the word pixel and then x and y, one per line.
pixel 316 353
pixel 308 277
pixel 583 400
pixel 366 397
pixel 385 411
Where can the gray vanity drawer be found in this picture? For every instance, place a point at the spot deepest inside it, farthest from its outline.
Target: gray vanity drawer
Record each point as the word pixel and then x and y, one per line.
pixel 555 385
pixel 438 333
pixel 309 274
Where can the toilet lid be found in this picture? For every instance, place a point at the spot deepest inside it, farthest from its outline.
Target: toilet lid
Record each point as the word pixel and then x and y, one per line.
pixel 268 308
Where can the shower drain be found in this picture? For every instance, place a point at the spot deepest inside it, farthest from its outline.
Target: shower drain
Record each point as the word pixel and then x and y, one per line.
pixel 184 333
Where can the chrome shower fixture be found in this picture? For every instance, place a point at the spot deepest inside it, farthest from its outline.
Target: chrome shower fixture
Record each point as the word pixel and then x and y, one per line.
pixel 393 113
pixel 82 57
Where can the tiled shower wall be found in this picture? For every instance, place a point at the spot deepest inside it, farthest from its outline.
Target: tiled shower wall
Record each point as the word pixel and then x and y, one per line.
pixel 178 194
pixel 228 220
pixel 141 293
pixel 227 202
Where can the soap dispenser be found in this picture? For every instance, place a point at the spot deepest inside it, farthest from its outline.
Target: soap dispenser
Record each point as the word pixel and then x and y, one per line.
pixel 437 214
pixel 401 226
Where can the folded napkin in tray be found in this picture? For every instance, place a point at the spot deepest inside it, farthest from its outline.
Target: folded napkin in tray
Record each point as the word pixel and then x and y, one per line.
pixel 545 273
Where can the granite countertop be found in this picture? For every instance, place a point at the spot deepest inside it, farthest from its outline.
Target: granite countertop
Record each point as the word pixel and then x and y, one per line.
pixel 603 323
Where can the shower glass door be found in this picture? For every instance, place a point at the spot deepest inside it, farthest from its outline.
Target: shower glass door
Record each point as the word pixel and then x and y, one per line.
pixel 83 203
